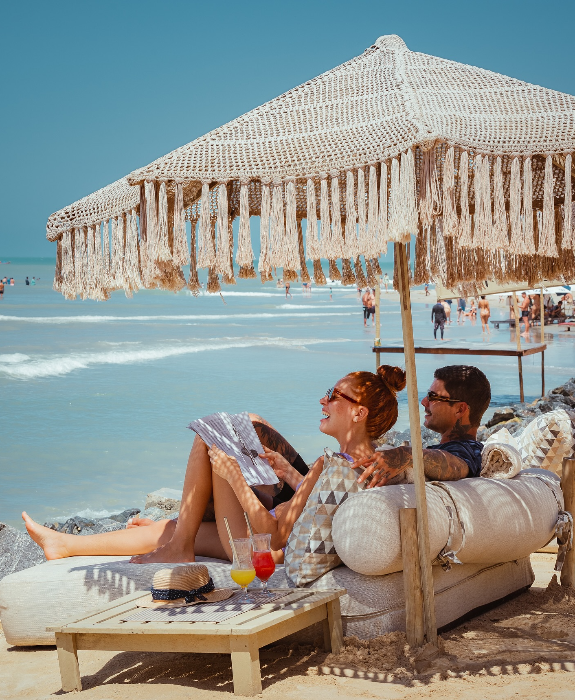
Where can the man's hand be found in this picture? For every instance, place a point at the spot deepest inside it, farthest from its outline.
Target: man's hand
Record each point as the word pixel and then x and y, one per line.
pixel 282 468
pixel 222 464
pixel 383 466
pixel 437 466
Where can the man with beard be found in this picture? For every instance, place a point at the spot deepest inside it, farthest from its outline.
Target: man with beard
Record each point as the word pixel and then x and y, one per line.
pixel 454 405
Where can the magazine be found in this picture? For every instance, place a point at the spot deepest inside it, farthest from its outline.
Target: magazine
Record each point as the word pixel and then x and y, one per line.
pixel 236 436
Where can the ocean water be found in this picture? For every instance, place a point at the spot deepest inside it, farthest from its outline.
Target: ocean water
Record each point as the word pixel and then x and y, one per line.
pixel 96 396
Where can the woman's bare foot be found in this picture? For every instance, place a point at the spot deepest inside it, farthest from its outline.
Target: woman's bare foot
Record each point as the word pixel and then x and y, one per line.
pixel 169 553
pixel 53 543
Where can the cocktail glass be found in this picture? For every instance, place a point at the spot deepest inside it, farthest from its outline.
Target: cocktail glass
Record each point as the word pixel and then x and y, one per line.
pixel 243 572
pixel 263 560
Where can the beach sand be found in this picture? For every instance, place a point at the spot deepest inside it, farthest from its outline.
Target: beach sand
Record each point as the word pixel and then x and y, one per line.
pixel 524 648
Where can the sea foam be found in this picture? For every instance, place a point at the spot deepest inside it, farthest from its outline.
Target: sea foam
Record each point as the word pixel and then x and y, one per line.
pixel 180 317
pixel 60 365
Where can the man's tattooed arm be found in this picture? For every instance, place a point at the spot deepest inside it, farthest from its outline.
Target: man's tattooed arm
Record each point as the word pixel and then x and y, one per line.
pixel 444 466
pixel 438 466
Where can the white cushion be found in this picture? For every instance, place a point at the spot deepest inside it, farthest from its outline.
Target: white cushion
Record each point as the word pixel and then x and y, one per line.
pixel 502 520
pixel 66 589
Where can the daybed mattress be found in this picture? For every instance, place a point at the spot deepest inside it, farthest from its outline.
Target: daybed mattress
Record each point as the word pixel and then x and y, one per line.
pixel 56 591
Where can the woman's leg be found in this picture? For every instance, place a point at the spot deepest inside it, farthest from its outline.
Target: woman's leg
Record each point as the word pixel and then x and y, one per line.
pixel 196 494
pixel 137 540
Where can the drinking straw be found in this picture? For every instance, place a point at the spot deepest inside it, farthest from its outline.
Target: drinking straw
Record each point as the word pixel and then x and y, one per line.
pixel 249 524
pixel 231 539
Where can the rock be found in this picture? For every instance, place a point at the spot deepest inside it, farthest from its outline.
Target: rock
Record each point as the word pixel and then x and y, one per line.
pixel 396 438
pixel 512 426
pixel 567 389
pixel 17 551
pixel 166 499
pixel 156 513
pixel 501 415
pixel 125 515
pixel 77 525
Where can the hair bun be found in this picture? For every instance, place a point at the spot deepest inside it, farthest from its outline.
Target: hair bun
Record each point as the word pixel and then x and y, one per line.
pixel 394 377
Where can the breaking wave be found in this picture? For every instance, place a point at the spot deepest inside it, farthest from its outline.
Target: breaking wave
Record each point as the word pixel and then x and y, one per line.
pixel 179 317
pixel 56 366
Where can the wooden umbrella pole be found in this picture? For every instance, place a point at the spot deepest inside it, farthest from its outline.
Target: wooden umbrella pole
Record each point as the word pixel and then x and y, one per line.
pixel 568 488
pixel 377 321
pixel 430 625
pixel 518 341
pixel 542 322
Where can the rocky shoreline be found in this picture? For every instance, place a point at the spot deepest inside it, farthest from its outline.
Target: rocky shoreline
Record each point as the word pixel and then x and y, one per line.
pixel 18 551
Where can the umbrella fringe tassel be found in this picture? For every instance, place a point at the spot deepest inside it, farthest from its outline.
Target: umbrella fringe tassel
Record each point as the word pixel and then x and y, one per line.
pixel 547 244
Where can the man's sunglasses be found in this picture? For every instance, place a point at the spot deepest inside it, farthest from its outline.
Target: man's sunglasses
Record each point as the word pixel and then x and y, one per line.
pixel 432 396
pixel 333 393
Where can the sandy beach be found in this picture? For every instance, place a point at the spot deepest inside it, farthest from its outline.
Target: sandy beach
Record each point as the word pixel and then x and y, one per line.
pixel 523 648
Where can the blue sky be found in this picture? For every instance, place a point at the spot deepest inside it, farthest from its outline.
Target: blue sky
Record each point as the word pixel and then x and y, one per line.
pixel 93 90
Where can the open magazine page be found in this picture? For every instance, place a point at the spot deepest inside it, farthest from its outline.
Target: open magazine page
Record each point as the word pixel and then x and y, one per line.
pixel 236 436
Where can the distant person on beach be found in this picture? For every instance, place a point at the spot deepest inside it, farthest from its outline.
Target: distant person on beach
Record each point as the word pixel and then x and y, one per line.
pixel 33 281
pixel 358 292
pixel 460 310
pixel 524 309
pixel 11 281
pixel 484 314
pixel 472 313
pixel 27 281
pixel 557 311
pixel 288 293
pixel 447 309
pixel 1 289
pixel 359 408
pixel 368 301
pixel 536 308
pixel 330 294
pixel 438 318
pixel 426 289
pixel 385 281
pixel 365 300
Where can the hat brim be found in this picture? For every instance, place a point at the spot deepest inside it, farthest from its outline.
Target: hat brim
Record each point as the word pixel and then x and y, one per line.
pixel 214 597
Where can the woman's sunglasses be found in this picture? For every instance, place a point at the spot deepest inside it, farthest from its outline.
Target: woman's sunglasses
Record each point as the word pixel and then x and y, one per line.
pixel 432 396
pixel 333 393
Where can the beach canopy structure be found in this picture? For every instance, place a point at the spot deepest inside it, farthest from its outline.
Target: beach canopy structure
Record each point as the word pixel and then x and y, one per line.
pixel 475 165
pixel 391 144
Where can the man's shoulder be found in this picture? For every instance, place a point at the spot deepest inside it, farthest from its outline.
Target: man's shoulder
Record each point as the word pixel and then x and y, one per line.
pixel 467 450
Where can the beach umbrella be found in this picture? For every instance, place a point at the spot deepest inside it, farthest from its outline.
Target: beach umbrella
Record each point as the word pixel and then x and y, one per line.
pixel 393 144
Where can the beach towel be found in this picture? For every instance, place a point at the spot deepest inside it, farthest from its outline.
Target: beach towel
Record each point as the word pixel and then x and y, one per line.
pixel 501 458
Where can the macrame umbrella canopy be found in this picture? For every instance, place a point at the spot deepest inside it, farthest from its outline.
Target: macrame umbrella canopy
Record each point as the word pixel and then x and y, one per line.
pixel 394 143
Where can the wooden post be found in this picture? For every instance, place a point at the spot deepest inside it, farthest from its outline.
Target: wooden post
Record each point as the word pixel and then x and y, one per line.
pixel 377 314
pixel 568 488
pixel 518 341
pixel 411 577
pixel 377 323
pixel 332 628
pixel 68 660
pixel 542 314
pixel 542 324
pixel 246 665
pixel 429 625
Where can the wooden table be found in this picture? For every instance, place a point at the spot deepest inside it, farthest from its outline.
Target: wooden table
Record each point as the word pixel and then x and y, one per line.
pixel 241 636
pixel 485 349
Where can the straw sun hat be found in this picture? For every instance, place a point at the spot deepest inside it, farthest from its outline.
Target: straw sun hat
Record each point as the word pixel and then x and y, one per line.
pixel 183 585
